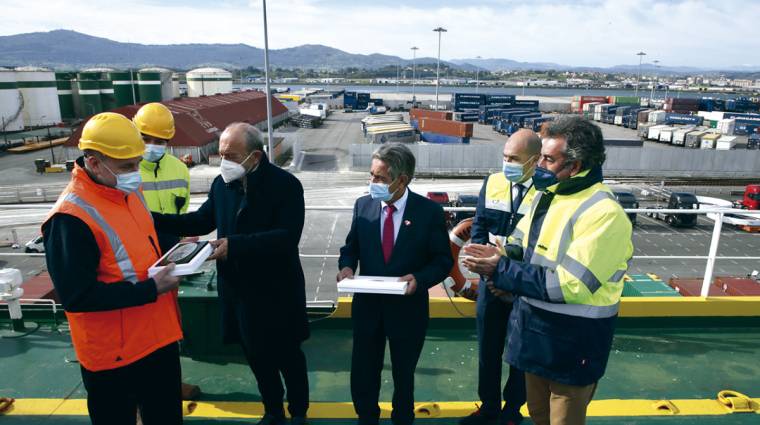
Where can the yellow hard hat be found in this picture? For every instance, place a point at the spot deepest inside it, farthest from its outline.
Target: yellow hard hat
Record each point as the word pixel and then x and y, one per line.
pixel 113 135
pixel 156 120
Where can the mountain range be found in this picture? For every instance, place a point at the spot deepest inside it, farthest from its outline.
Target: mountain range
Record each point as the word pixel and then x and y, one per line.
pixel 66 49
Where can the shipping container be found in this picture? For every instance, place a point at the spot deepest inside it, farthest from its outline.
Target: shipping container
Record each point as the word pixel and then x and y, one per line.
pixel 444 139
pixel 657 117
pixel 726 143
pixel 679 136
pixel 709 141
pixel 446 127
pixel 643 129
pixel 536 123
pixel 692 287
pixel 666 134
pixel 507 99
pixel 626 100
pixel 466 116
pixel 417 113
pixel 654 132
pixel 683 119
pixel 530 104
pixel 738 286
pixel 693 139
pixel 727 126
pixel 391 133
pixel 643 116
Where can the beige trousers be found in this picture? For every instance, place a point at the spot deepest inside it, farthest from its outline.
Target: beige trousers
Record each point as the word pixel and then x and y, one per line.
pixel 552 403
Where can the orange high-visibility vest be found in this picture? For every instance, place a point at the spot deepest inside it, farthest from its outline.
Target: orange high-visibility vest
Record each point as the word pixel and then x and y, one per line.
pixel 124 231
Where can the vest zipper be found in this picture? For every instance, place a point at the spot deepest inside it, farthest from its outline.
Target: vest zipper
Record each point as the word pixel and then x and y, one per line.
pixel 153 244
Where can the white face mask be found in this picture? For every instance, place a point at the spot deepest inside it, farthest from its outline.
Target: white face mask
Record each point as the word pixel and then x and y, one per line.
pixel 231 170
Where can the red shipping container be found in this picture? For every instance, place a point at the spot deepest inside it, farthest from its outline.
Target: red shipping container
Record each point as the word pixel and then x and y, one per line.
pixel 591 99
pixel 738 286
pixel 692 287
pixel 416 113
pixel 446 127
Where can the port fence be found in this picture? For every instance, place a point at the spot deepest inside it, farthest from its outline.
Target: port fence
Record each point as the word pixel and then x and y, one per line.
pixel 710 257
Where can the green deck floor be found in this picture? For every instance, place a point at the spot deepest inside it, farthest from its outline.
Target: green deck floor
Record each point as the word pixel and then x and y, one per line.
pixel 646 363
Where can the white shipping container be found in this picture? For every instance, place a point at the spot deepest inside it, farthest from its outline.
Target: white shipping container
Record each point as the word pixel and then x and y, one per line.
pixel 726 143
pixel 679 136
pixel 618 120
pixel 654 132
pixel 657 117
pixel 666 134
pixel 727 126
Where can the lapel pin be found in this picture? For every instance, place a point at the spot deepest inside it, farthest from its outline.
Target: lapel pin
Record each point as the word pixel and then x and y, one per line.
pixel 407 223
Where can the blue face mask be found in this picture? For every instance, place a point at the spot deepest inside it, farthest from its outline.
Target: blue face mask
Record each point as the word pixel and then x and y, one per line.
pixel 127 182
pixel 514 172
pixel 154 152
pixel 380 191
pixel 543 178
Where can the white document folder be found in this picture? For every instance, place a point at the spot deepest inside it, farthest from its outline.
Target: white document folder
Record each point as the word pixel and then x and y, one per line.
pixel 372 285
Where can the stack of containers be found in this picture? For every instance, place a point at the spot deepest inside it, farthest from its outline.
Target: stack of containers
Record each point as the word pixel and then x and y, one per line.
pixel 692 287
pixel 682 105
pixel 527 104
pixel 583 100
pixel 468 101
pixel 738 286
pixel 693 139
pixel 745 123
pixel 415 114
pixel 445 131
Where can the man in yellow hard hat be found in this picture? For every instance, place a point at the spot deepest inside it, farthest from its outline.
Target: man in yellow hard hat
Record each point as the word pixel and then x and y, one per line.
pixel 165 179
pixel 100 242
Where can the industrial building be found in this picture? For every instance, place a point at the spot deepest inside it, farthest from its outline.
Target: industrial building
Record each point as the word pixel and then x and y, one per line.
pixel 200 120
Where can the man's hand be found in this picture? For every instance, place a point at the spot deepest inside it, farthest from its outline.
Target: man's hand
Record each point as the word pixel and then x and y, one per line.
pixel 481 251
pixel 411 284
pixel 220 249
pixel 498 293
pixel 165 282
pixel 482 266
pixel 345 273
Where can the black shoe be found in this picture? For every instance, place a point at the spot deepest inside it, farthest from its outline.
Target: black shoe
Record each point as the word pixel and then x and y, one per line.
pixel 510 419
pixel 272 420
pixel 477 418
pixel 298 420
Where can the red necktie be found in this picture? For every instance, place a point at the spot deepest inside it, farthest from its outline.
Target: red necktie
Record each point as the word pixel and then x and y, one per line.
pixel 388 230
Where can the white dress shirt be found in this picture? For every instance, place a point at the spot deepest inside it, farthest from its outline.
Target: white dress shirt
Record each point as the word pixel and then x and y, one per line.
pixel 398 215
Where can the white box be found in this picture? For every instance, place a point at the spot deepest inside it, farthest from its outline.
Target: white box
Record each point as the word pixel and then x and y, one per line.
pixel 372 285
pixel 185 262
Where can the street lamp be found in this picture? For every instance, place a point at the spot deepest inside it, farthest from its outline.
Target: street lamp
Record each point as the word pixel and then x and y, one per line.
pixel 477 75
pixel 439 30
pixel 414 72
pixel 638 79
pixel 270 146
pixel 651 95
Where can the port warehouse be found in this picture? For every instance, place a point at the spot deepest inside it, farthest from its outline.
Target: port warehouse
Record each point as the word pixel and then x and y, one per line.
pixel 200 120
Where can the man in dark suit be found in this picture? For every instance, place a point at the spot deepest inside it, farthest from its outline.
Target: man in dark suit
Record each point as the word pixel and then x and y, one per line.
pixel 257 210
pixel 394 232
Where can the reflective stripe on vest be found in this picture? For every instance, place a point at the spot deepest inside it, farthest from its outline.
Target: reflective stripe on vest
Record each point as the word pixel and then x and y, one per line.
pixel 166 184
pixel 578 310
pixel 120 252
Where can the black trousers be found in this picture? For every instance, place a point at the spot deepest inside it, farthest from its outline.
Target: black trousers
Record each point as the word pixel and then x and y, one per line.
pixel 273 360
pixel 492 320
pixel 152 383
pixel 367 359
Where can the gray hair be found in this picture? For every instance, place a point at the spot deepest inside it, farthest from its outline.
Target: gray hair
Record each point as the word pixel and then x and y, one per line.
pixel 398 158
pixel 253 138
pixel 584 140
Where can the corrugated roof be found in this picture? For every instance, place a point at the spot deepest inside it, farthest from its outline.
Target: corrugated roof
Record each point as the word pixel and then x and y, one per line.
pixel 200 120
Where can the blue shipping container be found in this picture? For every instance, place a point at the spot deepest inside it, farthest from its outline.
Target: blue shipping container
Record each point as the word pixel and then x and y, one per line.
pixel 443 139
pixel 683 119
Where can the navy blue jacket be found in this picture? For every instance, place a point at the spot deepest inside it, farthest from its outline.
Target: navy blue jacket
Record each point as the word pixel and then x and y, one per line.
pixel 421 248
pixel 566 349
pixel 262 273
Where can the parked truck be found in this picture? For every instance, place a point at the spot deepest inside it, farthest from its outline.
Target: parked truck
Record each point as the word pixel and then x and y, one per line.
pixel 678 201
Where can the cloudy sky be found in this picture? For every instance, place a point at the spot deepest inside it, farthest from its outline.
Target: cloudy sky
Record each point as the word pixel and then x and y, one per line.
pixel 582 32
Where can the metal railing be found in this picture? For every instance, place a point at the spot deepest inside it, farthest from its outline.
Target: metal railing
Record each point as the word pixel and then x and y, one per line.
pixel 711 257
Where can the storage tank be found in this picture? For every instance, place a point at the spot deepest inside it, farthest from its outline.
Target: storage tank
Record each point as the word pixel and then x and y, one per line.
pixel 40 92
pixel 11 102
pixel 88 86
pixel 208 81
pixel 151 83
pixel 107 99
pixel 64 81
pixel 124 90
pixel 175 85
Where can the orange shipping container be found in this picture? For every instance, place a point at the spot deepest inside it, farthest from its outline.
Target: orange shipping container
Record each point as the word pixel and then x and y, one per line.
pixel 446 127
pixel 416 113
